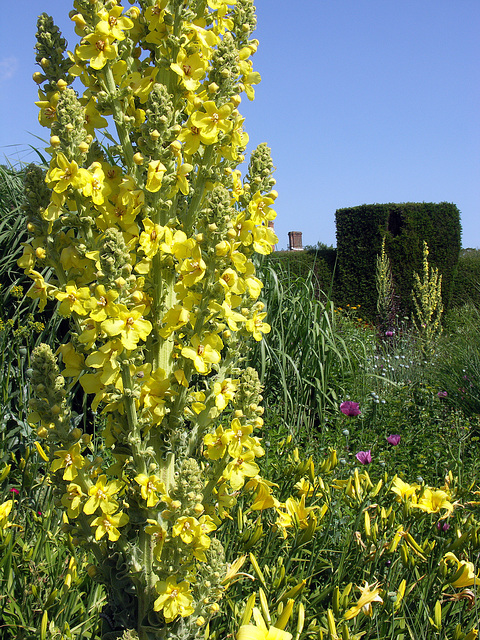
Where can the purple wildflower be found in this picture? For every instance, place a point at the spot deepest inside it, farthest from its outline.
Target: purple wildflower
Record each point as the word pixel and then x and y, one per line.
pixel 350 408
pixel 15 491
pixel 394 439
pixel 364 457
pixel 389 334
pixel 442 394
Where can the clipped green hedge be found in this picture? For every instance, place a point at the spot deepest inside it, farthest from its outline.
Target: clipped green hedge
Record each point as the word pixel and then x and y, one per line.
pixel 406 226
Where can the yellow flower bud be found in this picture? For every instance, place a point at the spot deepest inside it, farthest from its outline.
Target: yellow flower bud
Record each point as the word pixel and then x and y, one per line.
pixel 199 237
pixel 54 141
pixel 200 621
pixel 42 432
pixel 77 433
pixel 92 570
pixel 61 85
pixel 38 77
pixel 133 13
pixel 40 253
pixel 138 158
pixel 235 100
pixel 154 135
pixel 213 87
pixel 69 126
pixel 83 147
pixel 176 147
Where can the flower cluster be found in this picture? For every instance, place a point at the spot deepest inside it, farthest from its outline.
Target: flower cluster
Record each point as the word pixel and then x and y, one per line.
pixel 147 232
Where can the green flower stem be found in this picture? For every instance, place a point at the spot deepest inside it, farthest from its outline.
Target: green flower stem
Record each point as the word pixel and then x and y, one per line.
pixel 163 297
pixel 144 595
pixel 199 187
pixel 119 119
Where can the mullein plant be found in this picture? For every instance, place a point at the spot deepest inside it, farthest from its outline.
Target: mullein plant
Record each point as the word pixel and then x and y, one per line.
pixel 428 305
pixel 385 294
pixel 147 230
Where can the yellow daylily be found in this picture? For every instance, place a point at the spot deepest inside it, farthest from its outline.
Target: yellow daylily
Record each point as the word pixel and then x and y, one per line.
pixel 369 594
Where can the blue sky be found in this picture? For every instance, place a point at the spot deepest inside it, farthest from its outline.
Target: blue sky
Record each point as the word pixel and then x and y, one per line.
pixel 361 101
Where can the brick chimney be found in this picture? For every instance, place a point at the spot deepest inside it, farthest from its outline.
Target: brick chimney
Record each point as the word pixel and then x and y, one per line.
pixel 295 241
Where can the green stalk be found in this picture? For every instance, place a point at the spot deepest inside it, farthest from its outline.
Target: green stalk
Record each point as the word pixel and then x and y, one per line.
pixel 199 187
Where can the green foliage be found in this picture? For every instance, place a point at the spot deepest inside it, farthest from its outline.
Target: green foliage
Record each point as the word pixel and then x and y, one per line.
pixel 304 361
pixel 466 289
pixel 457 365
pixel 405 227
pixel 317 264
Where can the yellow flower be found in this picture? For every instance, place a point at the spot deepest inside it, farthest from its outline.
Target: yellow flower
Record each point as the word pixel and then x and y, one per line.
pixel 403 489
pixel 48 107
pixel 251 632
pixel 181 182
pixel 108 524
pixel 187 528
pixel 150 238
pixel 224 391
pixel 155 173
pixel 96 187
pixel 154 392
pixel 66 174
pixel 5 510
pixel 193 269
pixel 39 289
pixel 150 487
pixel 240 468
pixel 113 24
pixel 72 500
pixel 97 47
pixel 71 460
pixel 154 15
pixel 174 599
pixel 175 318
pixel 73 299
pixel 101 496
pixel 102 304
pixel 256 327
pixel 433 500
pixel 129 324
pixel 204 352
pixel 213 122
pixel 464 575
pixel 93 119
pixel 369 594
pixel 190 68
pixel 216 444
